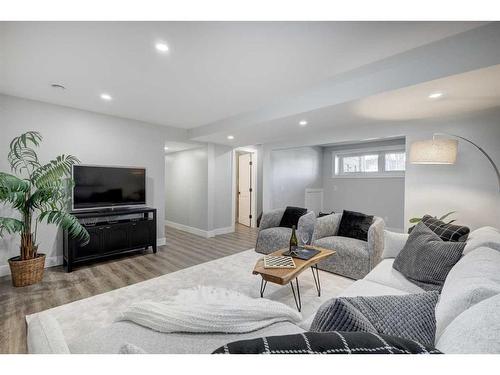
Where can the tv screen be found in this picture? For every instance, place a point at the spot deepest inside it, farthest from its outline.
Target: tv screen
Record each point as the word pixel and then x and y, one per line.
pixel 99 187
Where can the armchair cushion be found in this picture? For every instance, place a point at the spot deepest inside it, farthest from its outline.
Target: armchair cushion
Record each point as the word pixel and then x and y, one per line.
pixel 291 216
pixel 271 218
pixel 326 226
pixel 345 245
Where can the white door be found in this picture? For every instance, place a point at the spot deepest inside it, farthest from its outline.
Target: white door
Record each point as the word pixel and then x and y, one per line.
pixel 244 189
pixel 314 200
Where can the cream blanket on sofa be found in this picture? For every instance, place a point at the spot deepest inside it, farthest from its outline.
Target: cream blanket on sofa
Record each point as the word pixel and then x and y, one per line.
pixel 208 310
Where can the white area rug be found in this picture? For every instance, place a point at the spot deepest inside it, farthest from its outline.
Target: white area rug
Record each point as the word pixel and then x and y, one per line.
pixel 233 272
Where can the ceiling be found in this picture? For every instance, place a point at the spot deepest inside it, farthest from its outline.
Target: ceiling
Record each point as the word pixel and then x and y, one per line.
pixel 212 71
pixel 467 92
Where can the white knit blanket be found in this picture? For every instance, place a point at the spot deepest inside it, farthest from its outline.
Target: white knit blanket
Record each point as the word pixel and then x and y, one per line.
pixel 209 309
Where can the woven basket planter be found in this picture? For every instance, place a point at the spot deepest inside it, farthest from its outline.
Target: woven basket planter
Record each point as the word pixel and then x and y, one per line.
pixel 27 272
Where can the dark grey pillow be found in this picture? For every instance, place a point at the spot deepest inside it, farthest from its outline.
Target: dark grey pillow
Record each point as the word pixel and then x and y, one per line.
pixel 426 259
pixel 410 316
pixel 291 216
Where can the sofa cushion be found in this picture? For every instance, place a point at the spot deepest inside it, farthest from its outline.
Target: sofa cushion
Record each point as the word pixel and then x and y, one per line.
pixel 483 237
pixel 393 244
pixel 111 338
pixel 447 232
pixel 326 226
pixel 385 274
pixel 370 288
pixel 355 225
pixel 426 259
pixel 291 216
pixel 351 258
pixel 410 316
pixel 475 331
pixel 474 278
pixel 327 343
pixel 273 239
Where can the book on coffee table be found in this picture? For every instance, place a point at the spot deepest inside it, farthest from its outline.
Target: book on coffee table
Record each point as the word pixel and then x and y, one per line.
pixel 302 253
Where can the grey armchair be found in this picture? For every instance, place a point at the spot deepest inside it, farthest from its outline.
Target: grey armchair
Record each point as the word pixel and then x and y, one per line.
pixel 354 258
pixel 272 237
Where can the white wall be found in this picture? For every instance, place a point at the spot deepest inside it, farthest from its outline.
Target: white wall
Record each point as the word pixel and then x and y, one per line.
pixel 357 194
pixel 198 190
pixel 294 170
pixel 223 187
pixel 94 139
pixel 469 187
pixel 186 186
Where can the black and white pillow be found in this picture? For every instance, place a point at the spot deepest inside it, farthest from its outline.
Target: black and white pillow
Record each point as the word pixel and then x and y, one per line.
pixel 355 225
pixel 426 259
pixel 447 232
pixel 327 343
pixel 410 316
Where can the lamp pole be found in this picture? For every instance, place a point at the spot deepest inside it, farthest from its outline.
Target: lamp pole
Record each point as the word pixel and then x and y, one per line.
pixel 479 148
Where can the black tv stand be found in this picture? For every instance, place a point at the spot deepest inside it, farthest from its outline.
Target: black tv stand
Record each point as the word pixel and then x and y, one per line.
pixel 112 232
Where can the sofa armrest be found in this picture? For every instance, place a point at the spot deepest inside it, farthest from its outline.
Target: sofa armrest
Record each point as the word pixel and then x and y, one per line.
pixel 307 224
pixel 393 244
pixel 271 218
pixel 45 335
pixel 376 241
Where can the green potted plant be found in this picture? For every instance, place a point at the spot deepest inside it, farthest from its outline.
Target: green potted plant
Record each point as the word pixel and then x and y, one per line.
pixel 39 193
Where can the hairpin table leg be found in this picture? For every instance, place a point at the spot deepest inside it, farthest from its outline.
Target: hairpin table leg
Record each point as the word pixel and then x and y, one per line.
pixel 316 279
pixel 263 284
pixel 296 297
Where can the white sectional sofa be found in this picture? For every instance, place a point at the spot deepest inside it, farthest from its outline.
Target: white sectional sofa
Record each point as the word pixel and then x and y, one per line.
pixel 467 314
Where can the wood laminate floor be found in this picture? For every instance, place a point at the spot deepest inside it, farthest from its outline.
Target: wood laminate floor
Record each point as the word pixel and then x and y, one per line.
pixel 58 287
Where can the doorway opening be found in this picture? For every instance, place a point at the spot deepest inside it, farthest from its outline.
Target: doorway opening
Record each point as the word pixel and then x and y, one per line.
pixel 245 162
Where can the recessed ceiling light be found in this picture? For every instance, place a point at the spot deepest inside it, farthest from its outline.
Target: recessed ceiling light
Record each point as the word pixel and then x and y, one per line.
pixel 106 97
pixel 303 123
pixel 58 86
pixel 166 148
pixel 230 137
pixel 436 95
pixel 161 47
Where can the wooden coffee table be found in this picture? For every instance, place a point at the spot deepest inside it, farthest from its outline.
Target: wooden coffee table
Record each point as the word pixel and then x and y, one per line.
pixel 283 276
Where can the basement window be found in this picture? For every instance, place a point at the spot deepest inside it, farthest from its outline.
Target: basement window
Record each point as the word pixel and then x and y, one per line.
pixel 383 162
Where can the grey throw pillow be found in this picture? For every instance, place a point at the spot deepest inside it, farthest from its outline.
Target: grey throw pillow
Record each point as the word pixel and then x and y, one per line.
pixel 410 316
pixel 426 259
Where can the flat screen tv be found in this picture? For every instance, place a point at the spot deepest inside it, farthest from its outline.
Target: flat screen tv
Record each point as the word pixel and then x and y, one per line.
pixel 108 187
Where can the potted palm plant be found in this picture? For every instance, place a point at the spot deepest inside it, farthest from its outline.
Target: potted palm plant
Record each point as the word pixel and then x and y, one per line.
pixel 39 193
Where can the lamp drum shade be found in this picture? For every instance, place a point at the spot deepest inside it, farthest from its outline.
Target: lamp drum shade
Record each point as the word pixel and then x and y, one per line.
pixel 434 151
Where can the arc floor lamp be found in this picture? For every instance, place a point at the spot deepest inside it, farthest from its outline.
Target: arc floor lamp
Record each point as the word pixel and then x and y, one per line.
pixel 443 151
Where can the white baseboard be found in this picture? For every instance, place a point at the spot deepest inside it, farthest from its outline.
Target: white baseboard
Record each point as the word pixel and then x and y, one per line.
pixel 200 232
pixel 58 260
pixel 187 228
pixel 219 231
